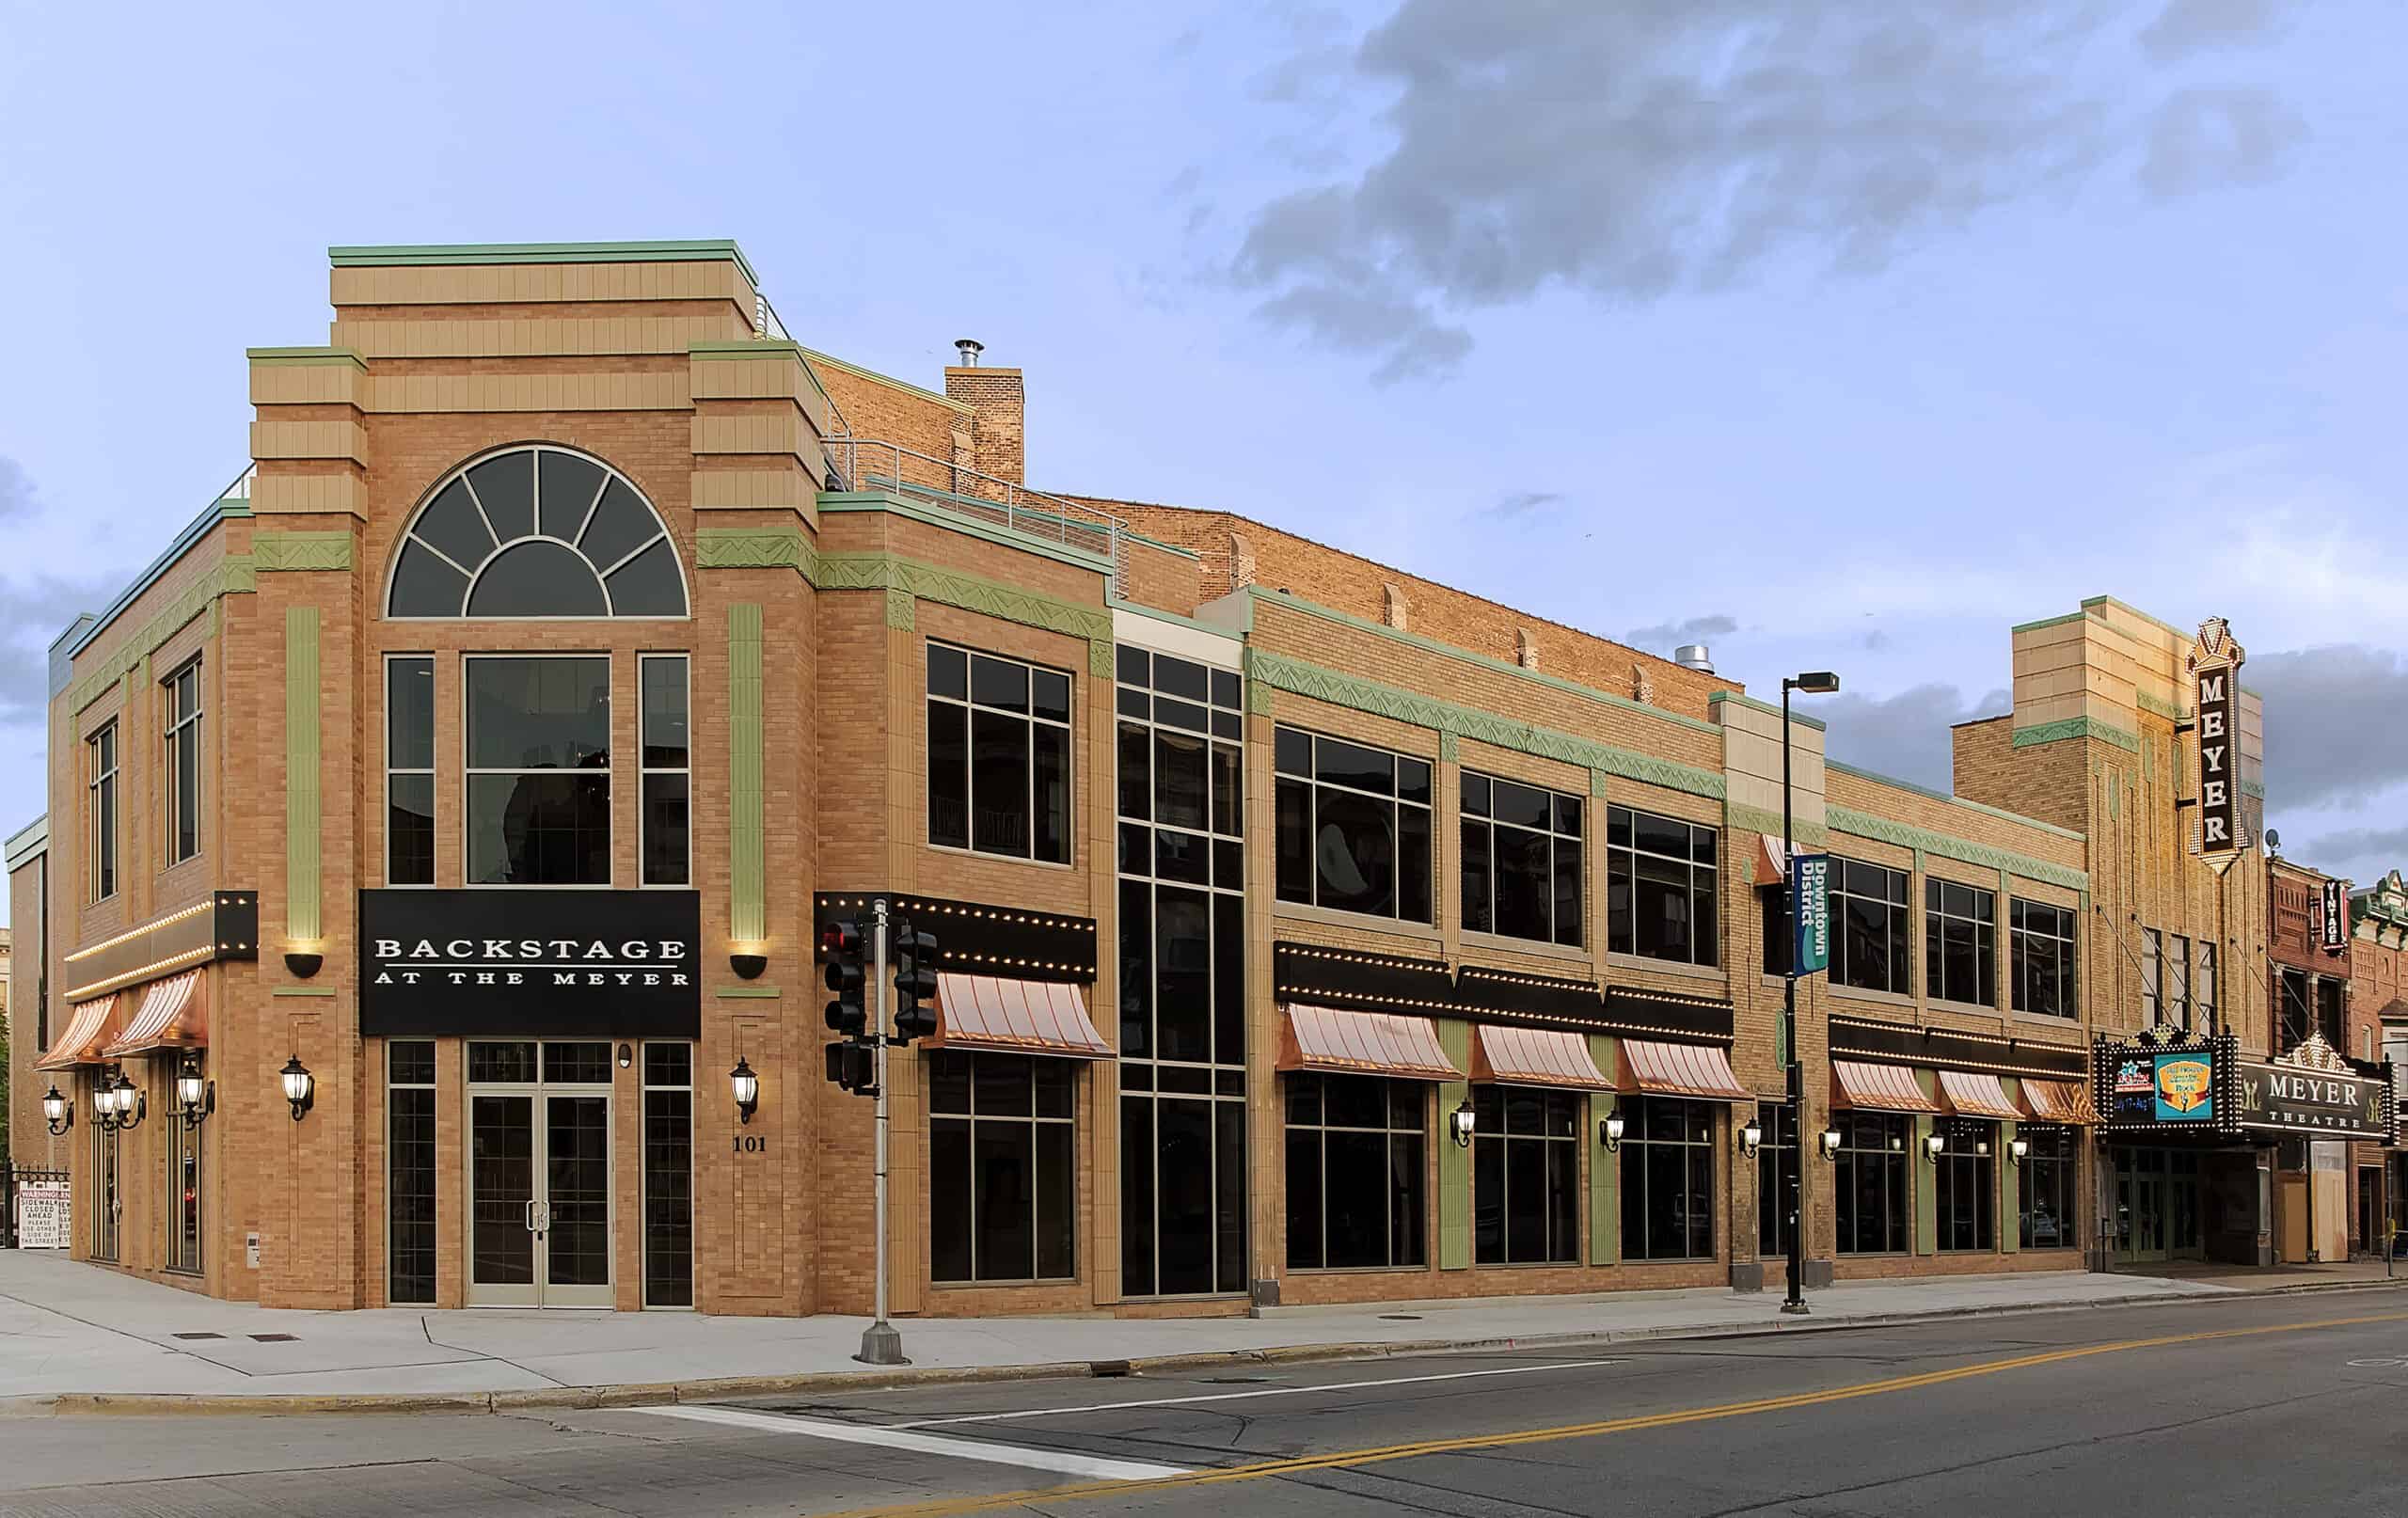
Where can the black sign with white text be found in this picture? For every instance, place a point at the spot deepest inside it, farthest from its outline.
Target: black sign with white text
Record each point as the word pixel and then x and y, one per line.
pixel 2219 776
pixel 2336 915
pixel 597 963
pixel 2336 1103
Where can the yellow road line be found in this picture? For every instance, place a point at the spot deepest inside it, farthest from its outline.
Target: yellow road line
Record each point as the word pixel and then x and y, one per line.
pixel 948 1506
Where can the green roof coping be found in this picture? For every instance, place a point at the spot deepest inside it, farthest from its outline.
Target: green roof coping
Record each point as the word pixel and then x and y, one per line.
pixel 1314 608
pixel 1767 707
pixel 2050 622
pixel 27 840
pixel 2127 606
pixel 184 541
pixel 305 356
pixel 743 348
pixel 1925 791
pixel 696 251
pixel 849 368
pixel 977 527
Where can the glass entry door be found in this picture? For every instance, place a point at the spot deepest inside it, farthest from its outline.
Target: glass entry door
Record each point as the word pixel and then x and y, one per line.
pixel 2141 1206
pixel 539 1176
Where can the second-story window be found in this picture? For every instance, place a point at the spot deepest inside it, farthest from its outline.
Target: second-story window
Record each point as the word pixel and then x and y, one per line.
pixel 1521 860
pixel 999 756
pixel 1660 888
pixel 2177 981
pixel 668 765
pixel 409 769
pixel 99 785
pixel 1961 942
pixel 2203 988
pixel 1353 827
pixel 539 769
pixel 2152 977
pixel 1870 950
pixel 2040 958
pixel 180 772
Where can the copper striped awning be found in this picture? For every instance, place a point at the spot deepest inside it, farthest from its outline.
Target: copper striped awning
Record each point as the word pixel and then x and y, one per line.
pixel 1533 1056
pixel 1364 1043
pixel 1026 1017
pixel 173 1015
pixel 1878 1088
pixel 86 1030
pixel 1770 871
pixel 1974 1094
pixel 2059 1101
pixel 1680 1070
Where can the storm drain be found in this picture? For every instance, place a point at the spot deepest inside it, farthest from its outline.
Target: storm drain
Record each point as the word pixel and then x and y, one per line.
pixel 274 1338
pixel 1401 1316
pixel 195 1335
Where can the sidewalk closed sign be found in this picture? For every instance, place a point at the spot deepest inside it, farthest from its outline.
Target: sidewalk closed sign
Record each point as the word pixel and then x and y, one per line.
pixel 42 1214
pixel 1812 876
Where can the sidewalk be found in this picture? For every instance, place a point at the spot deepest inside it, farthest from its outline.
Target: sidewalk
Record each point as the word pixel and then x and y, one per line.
pixel 73 1337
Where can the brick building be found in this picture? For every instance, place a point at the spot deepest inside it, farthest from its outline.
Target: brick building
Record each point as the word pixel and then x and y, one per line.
pixel 461 797
pixel 2308 979
pixel 2378 997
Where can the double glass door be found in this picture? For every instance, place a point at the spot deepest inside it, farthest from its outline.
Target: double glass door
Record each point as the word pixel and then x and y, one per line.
pixel 539 1174
pixel 2157 1205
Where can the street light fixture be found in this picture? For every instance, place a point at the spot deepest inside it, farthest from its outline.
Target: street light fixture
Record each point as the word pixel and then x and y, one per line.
pixel 1932 1145
pixel 196 1096
pixel 1609 1131
pixel 2017 1149
pixel 1752 1139
pixel 1461 1122
pixel 1815 682
pixel 126 1106
pixel 57 1111
pixel 746 1087
pixel 1831 1143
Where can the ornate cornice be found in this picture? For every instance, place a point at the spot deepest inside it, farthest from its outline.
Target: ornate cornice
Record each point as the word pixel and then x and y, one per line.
pixel 1907 835
pixel 1756 819
pixel 736 547
pixel 274 551
pixel 2076 727
pixel 234 575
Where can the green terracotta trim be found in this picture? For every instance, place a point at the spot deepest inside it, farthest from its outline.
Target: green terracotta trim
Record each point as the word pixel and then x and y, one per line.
pixel 1596 784
pixel 1964 850
pixel 193 532
pixel 233 576
pixel 970 592
pixel 873 376
pixel 746 892
pixel 899 614
pixel 709 351
pixel 1605 1170
pixel 1764 707
pixel 1432 645
pixel 2050 622
pixel 1257 698
pixel 1953 801
pixel 2010 1222
pixel 302 801
pixel 1449 748
pixel 304 357
pixel 2076 727
pixel 1759 820
pixel 745 548
pixel 1454 1160
pixel 275 551
pixel 1310 680
pixel 301 991
pixel 1926 1184
pixel 733 993
pixel 1099 660
pixel 701 250
pixel 2171 711
pixel 920 510
pixel 2254 787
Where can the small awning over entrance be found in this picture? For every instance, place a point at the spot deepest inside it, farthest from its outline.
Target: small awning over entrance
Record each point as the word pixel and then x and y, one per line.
pixel 2059 1101
pixel 173 1015
pixel 1532 1056
pixel 86 1030
pixel 1878 1088
pixel 1680 1070
pixel 1026 1017
pixel 1769 869
pixel 1974 1094
pixel 1364 1043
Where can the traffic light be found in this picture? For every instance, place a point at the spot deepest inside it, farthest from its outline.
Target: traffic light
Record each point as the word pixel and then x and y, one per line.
pixel 842 943
pixel 852 1066
pixel 916 981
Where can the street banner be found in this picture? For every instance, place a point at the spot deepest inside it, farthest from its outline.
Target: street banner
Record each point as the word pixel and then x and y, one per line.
pixel 1811 894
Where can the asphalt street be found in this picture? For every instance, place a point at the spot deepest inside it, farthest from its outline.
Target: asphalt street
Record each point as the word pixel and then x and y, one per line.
pixel 2296 1405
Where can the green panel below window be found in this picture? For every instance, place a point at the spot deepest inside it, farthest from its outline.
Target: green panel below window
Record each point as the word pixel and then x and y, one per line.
pixel 1454 1160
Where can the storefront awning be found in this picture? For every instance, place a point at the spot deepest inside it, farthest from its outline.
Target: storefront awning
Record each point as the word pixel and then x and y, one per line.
pixel 2059 1101
pixel 86 1030
pixel 1876 1088
pixel 1532 1056
pixel 1027 1017
pixel 1364 1043
pixel 1680 1070
pixel 1769 870
pixel 1974 1094
pixel 173 1015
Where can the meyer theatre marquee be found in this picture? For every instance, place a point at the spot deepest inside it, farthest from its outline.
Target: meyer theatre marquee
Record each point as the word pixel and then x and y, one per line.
pixel 2203 1088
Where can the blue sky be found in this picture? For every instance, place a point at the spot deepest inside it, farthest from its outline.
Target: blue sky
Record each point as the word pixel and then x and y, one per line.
pixel 1846 335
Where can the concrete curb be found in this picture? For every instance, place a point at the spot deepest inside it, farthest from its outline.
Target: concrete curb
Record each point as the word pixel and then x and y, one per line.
pixel 654 1394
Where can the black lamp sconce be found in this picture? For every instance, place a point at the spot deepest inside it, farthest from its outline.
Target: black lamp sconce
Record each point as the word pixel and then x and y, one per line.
pixel 746 964
pixel 300 1088
pixel 304 963
pixel 746 1087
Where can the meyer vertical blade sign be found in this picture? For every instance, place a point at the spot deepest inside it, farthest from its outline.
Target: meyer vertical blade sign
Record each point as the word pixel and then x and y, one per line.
pixel 2215 672
pixel 915 983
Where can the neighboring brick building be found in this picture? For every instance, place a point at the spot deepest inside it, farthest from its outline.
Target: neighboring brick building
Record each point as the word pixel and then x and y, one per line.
pixel 2379 995
pixel 2308 982
pixel 578 647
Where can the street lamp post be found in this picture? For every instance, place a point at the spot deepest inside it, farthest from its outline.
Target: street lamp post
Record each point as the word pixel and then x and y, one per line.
pixel 1815 682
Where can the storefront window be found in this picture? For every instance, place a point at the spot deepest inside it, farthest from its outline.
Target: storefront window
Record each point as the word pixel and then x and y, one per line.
pixel 1968 1186
pixel 539 769
pixel 1961 942
pixel 409 770
pixel 107 1201
pixel 180 778
pixel 1526 1175
pixel 1181 798
pixel 1870 949
pixel 1660 897
pixel 409 1165
pixel 999 756
pixel 100 802
pixel 1667 1179
pixel 2041 960
pixel 668 760
pixel 1869 1182
pixel 2044 1196
pixel 1355 1152
pixel 668 1174
pixel 1002 1166
pixel 183 1195
pixel 1521 860
pixel 1354 827
pixel 1776 1180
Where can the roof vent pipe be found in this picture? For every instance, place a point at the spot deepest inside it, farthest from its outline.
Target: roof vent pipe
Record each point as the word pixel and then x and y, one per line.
pixel 971 348
pixel 1694 657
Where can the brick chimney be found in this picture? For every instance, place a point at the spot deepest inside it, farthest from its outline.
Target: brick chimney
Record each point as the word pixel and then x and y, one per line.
pixel 999 413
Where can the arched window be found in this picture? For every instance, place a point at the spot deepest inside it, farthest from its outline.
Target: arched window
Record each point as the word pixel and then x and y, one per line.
pixel 536 532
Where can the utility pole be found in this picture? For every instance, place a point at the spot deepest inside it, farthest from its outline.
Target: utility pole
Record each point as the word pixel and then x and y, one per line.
pixel 881 1343
pixel 1795 1303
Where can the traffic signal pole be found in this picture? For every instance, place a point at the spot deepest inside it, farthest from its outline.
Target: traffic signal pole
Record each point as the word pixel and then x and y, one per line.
pixel 881 1343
